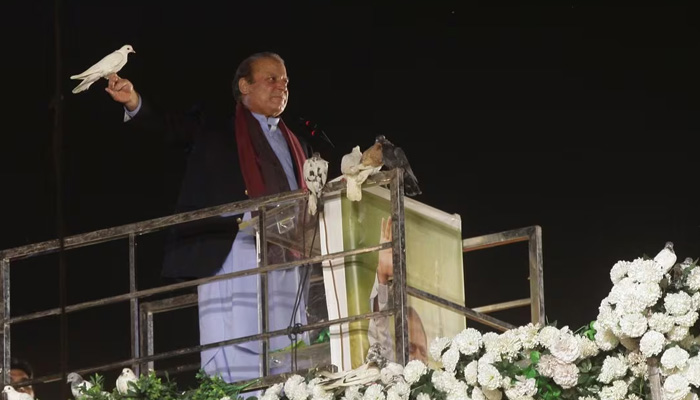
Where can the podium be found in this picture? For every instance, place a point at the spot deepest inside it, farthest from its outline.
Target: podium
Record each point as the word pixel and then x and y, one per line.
pixel 345 236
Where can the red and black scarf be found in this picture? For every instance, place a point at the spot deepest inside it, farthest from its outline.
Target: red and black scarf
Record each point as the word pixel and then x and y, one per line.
pixel 261 169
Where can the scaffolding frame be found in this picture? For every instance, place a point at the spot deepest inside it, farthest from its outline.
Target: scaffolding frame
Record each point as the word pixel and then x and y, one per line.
pixel 143 355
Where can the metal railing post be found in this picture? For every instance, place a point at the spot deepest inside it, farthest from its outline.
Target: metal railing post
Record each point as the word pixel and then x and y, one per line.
pixel 6 356
pixel 134 305
pixel 399 262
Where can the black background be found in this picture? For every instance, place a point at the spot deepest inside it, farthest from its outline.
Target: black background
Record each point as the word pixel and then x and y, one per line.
pixel 579 119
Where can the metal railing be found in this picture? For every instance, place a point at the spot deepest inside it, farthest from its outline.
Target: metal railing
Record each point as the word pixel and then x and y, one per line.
pixel 132 231
pixel 533 236
pixel 142 350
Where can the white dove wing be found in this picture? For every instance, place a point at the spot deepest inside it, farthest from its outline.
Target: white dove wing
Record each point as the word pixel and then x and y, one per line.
pixel 311 180
pixel 24 396
pixel 12 394
pixel 350 162
pixel 354 182
pixel 123 381
pixel 309 169
pixel 109 64
pixel 122 385
pixel 666 257
pixel 353 188
pixel 77 392
pixel 323 172
pixel 315 170
pixel 361 375
pixel 87 385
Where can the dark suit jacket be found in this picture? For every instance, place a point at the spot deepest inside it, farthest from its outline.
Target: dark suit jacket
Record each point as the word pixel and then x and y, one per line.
pixel 212 177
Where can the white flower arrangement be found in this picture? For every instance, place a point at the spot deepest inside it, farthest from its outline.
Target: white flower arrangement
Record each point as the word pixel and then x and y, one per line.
pixel 639 347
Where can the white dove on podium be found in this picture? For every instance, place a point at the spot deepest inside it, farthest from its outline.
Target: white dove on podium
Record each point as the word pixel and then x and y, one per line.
pixel 123 380
pixel 110 64
pixel 315 174
pixel 76 383
pixel 366 373
pixel 356 167
pixel 12 394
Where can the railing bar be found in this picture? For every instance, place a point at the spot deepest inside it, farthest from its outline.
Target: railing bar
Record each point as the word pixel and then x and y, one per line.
pixel 143 227
pixel 467 312
pixel 199 348
pixel 196 282
pixel 497 239
pixel 507 305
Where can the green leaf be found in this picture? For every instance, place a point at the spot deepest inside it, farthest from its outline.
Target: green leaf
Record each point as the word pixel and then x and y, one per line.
pixel 324 336
pixel 297 345
pixel 530 372
pixel 585 366
pixel 535 356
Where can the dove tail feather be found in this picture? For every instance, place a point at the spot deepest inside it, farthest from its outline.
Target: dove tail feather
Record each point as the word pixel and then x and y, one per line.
pixel 85 74
pixel 84 85
pixel 354 190
pixel 410 183
pixel 312 204
pixel 411 188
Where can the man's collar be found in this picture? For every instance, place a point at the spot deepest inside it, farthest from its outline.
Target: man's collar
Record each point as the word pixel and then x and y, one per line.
pixel 269 121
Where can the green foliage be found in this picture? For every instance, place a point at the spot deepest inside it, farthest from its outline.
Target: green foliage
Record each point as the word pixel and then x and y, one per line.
pixel 587 331
pixel 153 387
pixel 324 336
pixel 96 392
pixel 213 388
pixel 149 387
pixel 425 385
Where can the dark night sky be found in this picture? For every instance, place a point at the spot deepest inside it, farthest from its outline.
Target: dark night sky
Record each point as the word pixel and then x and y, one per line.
pixel 578 119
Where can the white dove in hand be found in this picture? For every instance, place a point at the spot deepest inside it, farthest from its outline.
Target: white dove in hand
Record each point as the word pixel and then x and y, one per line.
pixel 123 380
pixel 110 64
pixel 76 383
pixel 12 394
pixel 315 174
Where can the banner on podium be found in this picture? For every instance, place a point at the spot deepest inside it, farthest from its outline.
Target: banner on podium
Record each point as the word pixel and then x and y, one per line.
pixel 362 283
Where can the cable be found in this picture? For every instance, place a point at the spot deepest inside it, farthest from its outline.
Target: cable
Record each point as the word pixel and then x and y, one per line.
pixel 293 328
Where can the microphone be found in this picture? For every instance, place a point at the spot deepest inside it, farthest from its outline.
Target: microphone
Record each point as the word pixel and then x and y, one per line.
pixel 314 131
